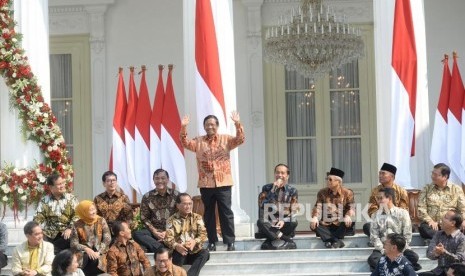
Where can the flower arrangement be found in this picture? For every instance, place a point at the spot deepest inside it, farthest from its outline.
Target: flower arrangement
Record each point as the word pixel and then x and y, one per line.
pixel 22 187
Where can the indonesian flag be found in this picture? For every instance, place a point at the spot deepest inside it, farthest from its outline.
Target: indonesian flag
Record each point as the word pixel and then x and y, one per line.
pixel 155 123
pixel 209 85
pixel 463 133
pixel 454 117
pixel 118 151
pixel 142 138
pixel 439 141
pixel 129 131
pixel 404 89
pixel 172 152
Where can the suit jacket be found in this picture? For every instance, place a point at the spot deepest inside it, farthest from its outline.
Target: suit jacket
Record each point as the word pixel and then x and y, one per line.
pixel 20 258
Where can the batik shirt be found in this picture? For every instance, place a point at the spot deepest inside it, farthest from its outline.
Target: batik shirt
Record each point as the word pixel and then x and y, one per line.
pixel 388 221
pixel 330 208
pixel 213 159
pixel 113 208
pixel 174 270
pixel 399 267
pixel 454 245
pixel 126 259
pixel 156 208
pixel 181 229
pixel 56 214
pixel 434 202
pixel 281 204
pixel 401 198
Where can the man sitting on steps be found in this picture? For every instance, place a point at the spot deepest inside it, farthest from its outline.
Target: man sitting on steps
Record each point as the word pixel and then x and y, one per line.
pixel 277 205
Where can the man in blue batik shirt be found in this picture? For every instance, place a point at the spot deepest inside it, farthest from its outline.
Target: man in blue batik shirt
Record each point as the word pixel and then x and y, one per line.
pixel 278 205
pixel 394 263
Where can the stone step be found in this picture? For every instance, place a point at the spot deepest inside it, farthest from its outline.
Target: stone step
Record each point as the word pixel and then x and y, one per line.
pixel 311 267
pixel 259 256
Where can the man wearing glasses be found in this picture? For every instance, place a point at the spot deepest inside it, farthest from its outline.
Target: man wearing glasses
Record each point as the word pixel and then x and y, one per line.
pixel 387 175
pixel 436 199
pixel 113 204
pixel 333 211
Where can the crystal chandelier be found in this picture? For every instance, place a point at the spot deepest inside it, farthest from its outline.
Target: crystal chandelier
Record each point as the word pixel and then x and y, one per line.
pixel 312 40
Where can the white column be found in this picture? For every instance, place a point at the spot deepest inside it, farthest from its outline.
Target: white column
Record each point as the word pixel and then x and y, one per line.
pixel 100 120
pixel 32 23
pixel 255 96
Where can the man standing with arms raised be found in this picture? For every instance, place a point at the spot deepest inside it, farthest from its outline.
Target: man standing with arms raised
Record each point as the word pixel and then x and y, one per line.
pixel 215 178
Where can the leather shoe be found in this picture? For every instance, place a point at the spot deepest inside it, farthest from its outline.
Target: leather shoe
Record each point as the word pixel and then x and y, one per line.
pixel 328 245
pixel 231 247
pixel 211 247
pixel 338 244
pixel 267 245
pixel 287 245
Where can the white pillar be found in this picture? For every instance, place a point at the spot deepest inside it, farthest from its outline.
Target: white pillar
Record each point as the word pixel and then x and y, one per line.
pixel 32 20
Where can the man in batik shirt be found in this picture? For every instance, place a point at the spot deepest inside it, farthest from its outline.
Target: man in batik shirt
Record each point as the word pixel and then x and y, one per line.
pixel 278 205
pixel 394 263
pixel 386 175
pixel 327 219
pixel 155 208
pixel 56 213
pixel 113 205
pixel 185 235
pixel 125 257
pixel 436 199
pixel 390 219
pixel 215 178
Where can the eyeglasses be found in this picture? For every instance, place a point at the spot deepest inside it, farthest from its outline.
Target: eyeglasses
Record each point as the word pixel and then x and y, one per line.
pixel 111 180
pixel 330 179
pixel 436 173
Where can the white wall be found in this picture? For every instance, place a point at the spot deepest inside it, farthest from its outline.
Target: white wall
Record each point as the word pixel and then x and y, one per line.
pixel 444 33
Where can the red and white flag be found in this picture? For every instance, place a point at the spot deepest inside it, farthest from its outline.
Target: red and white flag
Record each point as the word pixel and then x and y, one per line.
pixel 209 85
pixel 118 151
pixel 404 89
pixel 463 134
pixel 439 140
pixel 155 123
pixel 172 151
pixel 142 138
pixel 454 127
pixel 129 131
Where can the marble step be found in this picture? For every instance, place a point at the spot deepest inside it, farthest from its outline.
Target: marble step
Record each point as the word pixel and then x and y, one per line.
pixel 310 267
pixel 298 255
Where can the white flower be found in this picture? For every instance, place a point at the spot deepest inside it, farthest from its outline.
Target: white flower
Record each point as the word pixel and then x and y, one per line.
pixel 5 198
pixel 25 180
pixel 20 190
pixel 49 148
pixel 23 198
pixel 41 178
pixel 55 147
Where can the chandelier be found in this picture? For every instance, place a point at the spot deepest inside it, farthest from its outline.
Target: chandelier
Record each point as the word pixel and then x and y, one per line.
pixel 312 40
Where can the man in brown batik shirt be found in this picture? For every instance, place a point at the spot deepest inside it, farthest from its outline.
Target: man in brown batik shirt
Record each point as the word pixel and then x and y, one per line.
pixel 155 208
pixel 113 205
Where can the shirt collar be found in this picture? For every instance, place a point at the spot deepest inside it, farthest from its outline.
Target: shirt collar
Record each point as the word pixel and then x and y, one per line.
pixel 212 138
pixel 455 233
pixel 169 272
pixel 168 191
pixel 115 194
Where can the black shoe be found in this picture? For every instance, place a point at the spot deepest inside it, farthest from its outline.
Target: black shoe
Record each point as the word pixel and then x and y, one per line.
pixel 267 245
pixel 287 245
pixel 231 247
pixel 211 247
pixel 328 245
pixel 338 244
pixel 416 267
